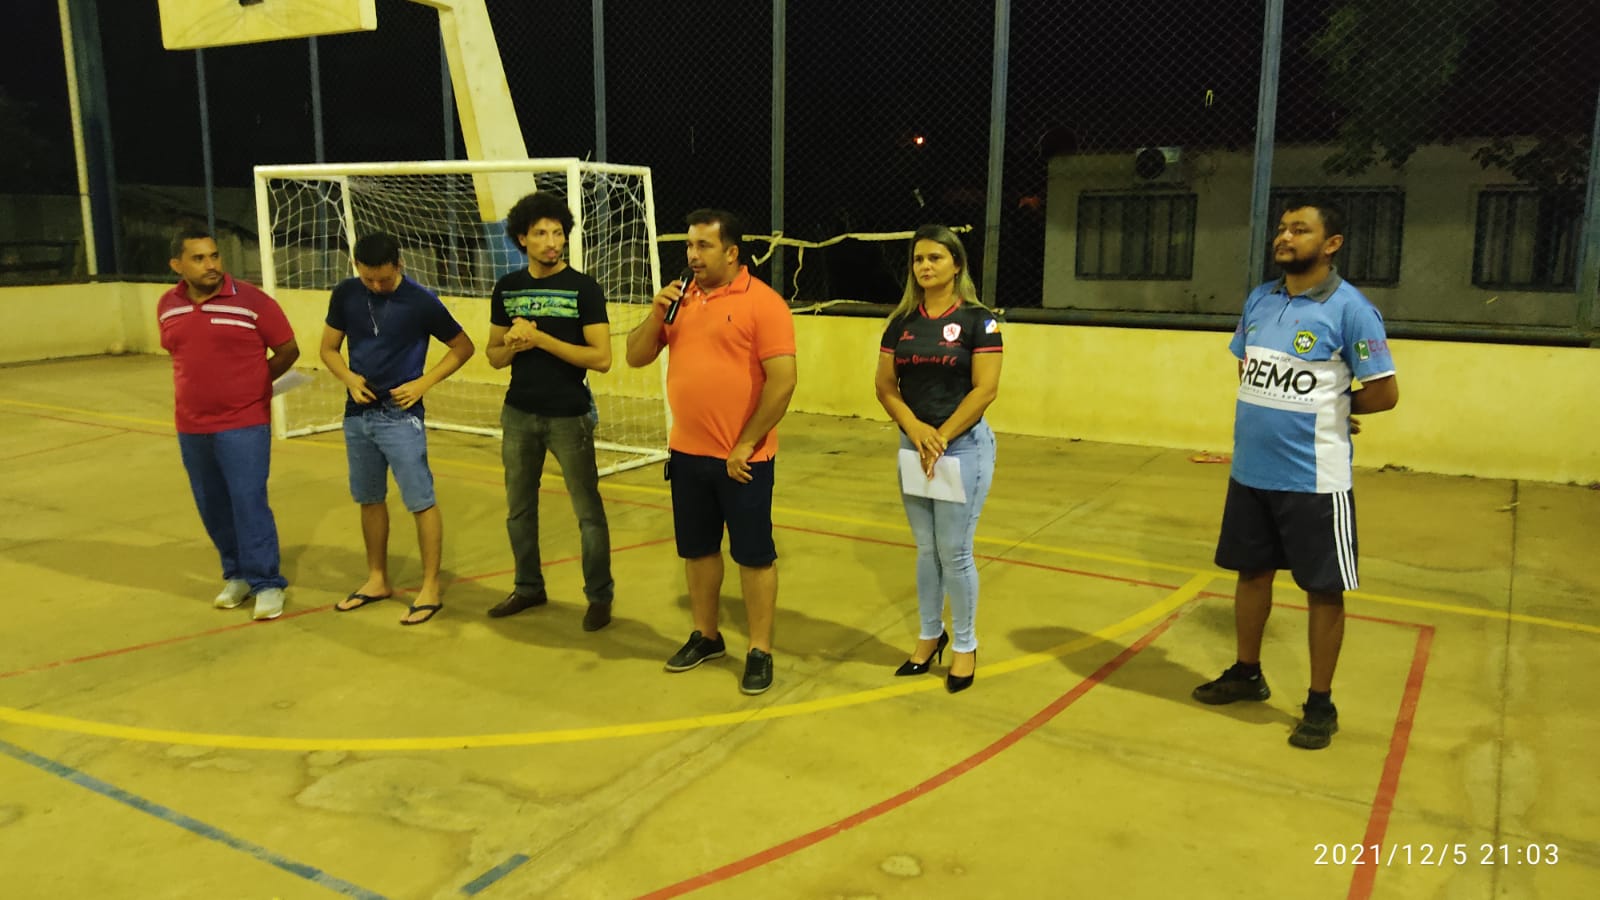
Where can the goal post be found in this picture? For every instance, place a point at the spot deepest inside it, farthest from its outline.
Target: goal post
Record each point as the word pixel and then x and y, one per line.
pixel 309 217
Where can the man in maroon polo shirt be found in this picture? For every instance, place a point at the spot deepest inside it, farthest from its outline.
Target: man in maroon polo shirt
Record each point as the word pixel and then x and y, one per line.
pixel 220 331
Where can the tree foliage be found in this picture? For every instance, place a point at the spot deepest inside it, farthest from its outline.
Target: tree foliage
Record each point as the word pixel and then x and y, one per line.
pixel 1390 79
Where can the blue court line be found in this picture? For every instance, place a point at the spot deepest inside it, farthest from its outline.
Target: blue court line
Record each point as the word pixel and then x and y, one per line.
pixel 493 875
pixel 210 832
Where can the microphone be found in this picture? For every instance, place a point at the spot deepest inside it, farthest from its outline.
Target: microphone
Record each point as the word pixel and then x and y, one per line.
pixel 683 286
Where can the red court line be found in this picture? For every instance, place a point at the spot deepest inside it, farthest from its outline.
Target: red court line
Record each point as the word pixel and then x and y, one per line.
pixel 1377 823
pixel 1002 559
pixel 122 428
pixel 304 612
pixel 160 643
pixel 1347 613
pixel 58 447
pixel 794 845
pixel 1366 871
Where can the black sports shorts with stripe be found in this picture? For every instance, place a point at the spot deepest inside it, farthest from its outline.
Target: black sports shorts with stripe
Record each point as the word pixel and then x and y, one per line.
pixel 1311 535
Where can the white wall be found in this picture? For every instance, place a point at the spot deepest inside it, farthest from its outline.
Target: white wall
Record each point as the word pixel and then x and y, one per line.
pixel 1441 184
pixel 1494 411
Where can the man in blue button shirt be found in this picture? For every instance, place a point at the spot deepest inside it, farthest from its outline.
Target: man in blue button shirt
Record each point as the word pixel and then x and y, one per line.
pixel 1301 342
pixel 388 318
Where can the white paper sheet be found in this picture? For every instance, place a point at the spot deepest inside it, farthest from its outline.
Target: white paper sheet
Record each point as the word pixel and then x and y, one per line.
pixel 944 485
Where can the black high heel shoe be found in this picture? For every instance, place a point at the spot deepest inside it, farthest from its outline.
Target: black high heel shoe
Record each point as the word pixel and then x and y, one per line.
pixel 955 684
pixel 921 668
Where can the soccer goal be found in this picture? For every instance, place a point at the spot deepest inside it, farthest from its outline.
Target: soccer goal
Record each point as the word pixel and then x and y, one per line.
pixel 311 215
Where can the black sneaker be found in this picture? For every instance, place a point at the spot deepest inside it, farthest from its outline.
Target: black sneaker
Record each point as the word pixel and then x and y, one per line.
pixel 1317 728
pixel 757 672
pixel 699 649
pixel 597 616
pixel 515 603
pixel 1233 685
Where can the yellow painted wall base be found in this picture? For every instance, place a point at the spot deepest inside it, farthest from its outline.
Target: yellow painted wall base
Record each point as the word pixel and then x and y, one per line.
pixel 1489 410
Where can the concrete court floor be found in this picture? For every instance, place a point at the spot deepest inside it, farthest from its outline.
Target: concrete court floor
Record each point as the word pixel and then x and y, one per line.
pixel 153 747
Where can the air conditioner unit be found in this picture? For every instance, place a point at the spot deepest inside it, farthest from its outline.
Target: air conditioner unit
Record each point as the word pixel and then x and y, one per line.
pixel 1158 164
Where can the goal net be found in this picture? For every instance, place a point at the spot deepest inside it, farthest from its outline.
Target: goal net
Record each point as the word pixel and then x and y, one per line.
pixel 441 212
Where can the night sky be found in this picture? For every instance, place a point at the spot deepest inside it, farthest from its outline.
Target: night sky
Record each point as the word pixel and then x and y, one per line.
pixel 688 94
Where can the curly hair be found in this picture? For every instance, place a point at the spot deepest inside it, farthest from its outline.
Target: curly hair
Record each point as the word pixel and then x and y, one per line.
pixel 532 208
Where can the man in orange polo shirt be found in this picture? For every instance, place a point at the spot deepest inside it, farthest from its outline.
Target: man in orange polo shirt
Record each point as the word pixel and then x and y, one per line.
pixel 730 375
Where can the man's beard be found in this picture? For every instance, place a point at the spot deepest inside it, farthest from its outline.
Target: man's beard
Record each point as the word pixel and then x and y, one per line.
pixel 1297 266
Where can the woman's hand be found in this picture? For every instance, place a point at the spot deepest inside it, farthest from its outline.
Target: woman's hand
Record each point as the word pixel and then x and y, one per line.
pixel 929 442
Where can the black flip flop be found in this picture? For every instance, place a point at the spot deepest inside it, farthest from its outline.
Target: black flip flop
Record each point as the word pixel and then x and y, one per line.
pixel 364 598
pixel 432 609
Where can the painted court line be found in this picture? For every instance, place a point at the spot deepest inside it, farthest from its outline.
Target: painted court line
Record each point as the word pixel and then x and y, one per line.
pixel 1377 823
pixel 1366 871
pixel 194 826
pixel 1053 709
pixel 57 448
pixel 176 639
pixel 94 414
pixel 52 722
pixel 1446 608
pixel 476 885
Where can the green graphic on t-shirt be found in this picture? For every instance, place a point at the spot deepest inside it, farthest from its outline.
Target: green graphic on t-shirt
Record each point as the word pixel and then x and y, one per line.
pixel 535 302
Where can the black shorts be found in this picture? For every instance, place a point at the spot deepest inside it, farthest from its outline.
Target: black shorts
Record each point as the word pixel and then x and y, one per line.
pixel 704 499
pixel 1311 535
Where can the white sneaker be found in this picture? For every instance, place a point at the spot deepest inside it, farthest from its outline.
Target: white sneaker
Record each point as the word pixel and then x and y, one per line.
pixel 232 595
pixel 269 604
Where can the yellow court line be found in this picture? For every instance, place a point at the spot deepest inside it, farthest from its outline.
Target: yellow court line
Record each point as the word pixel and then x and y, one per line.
pixel 1499 615
pixel 50 722
pixel 1432 606
pixel 86 412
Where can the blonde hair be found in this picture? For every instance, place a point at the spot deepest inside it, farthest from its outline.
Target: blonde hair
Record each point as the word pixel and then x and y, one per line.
pixel 965 290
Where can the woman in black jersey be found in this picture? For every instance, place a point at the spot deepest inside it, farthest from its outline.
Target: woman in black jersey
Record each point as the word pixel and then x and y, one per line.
pixel 938 371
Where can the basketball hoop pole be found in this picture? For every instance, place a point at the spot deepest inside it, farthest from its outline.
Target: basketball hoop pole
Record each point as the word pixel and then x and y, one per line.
pixel 489 123
pixel 80 154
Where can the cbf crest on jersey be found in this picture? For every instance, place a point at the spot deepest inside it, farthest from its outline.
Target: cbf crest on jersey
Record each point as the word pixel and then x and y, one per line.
pixel 1304 341
pixel 952 331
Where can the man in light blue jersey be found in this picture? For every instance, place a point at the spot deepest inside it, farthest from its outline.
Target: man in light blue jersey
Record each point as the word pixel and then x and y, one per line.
pixel 1301 342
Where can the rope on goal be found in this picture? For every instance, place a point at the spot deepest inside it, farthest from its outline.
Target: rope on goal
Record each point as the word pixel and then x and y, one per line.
pixel 774 241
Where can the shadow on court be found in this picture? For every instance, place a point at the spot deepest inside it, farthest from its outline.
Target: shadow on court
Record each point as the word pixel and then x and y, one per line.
pixel 1151 672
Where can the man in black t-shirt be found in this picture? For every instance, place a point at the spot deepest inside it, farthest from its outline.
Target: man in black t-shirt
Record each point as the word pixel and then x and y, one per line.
pixel 548 323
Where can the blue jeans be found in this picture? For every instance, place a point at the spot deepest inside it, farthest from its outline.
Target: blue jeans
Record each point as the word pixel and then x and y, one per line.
pixel 944 533
pixel 383 438
pixel 525 438
pixel 228 475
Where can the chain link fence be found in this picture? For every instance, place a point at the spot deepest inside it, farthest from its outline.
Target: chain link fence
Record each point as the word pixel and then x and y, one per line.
pixel 1457 135
pixel 886 128
pixel 1131 130
pixel 40 225
pixel 691 97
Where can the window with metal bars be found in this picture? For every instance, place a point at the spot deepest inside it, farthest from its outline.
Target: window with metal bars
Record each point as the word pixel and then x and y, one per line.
pixel 1141 235
pixel 1527 240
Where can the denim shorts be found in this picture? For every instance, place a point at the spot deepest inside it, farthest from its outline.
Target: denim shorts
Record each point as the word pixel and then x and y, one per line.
pixel 704 499
pixel 383 438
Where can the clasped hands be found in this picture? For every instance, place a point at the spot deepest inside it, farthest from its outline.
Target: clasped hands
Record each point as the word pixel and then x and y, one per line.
pixel 522 335
pixel 930 445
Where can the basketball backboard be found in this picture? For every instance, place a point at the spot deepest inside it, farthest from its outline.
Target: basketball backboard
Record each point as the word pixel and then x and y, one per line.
pixel 190 24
